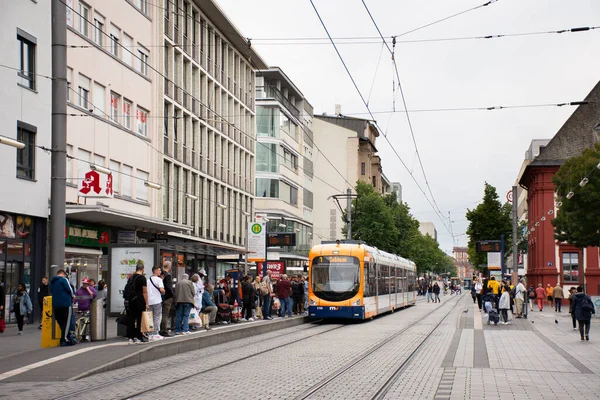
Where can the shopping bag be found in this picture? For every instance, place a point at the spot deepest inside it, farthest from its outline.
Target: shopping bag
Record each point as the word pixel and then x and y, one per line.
pixel 2 323
pixel 194 319
pixel 147 325
pixel 122 319
pixel 276 303
pixel 205 320
pixel 258 312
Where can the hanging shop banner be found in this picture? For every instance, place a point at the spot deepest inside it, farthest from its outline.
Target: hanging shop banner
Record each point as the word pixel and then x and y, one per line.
pixel 276 268
pixel 95 184
pixel 123 261
pixel 7 226
pixel 257 241
pixel 85 235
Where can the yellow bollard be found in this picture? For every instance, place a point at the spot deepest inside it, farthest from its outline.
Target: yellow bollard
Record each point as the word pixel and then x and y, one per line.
pixel 47 339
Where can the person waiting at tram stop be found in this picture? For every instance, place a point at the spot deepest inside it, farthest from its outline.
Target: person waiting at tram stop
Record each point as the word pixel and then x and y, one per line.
pixel 84 296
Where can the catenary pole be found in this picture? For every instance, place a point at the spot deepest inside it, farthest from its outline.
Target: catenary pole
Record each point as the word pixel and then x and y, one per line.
pixel 59 136
pixel 349 213
pixel 515 217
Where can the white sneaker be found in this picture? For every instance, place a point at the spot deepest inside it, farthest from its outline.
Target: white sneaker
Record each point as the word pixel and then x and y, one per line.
pixel 20 333
pixel 250 319
pixel 155 338
pixel 244 320
pixel 130 341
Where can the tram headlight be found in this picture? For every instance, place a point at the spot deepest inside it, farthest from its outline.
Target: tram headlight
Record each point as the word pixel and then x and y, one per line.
pixel 356 303
pixel 312 302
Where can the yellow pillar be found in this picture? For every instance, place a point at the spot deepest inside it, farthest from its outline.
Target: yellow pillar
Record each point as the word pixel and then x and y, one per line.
pixel 47 339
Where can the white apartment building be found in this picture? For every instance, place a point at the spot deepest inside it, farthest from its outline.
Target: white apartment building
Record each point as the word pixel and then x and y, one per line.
pixel 112 140
pixel 206 103
pixel 428 228
pixel 26 117
pixel 284 166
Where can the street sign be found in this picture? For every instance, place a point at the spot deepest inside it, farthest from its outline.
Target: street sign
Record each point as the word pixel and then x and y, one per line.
pixel 509 196
pixel 494 261
pixel 486 246
pixel 257 241
pixel 281 239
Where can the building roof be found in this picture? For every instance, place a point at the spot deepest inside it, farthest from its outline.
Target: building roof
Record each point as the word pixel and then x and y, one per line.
pixel 579 132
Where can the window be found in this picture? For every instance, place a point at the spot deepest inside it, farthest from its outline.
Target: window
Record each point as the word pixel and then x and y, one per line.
pixel 266 157
pixel 127 113
pixel 26 156
pixel 126 176
pixel 83 165
pixel 115 167
pixel 290 160
pixel 166 189
pixel 69 82
pixel 141 117
pixel 99 29
pixel 142 5
pixel 84 91
pixel 570 266
pixel 99 160
pixel 27 44
pixel 184 190
pixel 288 193
pixel 127 49
pixel 176 12
pixel 98 102
pixel 115 34
pixel 267 187
pixel 69 164
pixel 115 99
pixel 267 121
pixel 176 175
pixel 84 17
pixel 143 62
pixel 363 168
pixel 141 190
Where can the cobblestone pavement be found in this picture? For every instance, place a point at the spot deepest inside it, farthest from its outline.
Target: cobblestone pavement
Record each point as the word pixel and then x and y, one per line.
pixel 463 358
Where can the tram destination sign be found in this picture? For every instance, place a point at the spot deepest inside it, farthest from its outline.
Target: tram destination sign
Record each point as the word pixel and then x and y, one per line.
pixel 489 246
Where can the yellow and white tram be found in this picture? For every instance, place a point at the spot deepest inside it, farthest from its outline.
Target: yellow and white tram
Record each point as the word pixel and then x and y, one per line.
pixel 349 279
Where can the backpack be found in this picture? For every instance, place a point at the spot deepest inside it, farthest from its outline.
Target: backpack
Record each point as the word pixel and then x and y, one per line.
pixel 129 294
pixel 587 305
pixel 531 295
pixel 263 289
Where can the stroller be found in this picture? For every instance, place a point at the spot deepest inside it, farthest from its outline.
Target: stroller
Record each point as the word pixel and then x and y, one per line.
pixel 493 316
pixel 488 303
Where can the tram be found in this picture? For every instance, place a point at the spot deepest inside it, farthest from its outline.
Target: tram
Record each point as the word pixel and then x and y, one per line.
pixel 349 279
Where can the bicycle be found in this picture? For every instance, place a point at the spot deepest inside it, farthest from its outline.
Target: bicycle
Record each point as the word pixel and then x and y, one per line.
pixel 82 327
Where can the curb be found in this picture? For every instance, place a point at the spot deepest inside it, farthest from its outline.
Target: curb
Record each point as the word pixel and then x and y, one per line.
pixel 172 347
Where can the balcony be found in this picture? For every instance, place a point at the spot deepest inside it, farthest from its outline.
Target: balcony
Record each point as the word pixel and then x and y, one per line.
pixel 271 92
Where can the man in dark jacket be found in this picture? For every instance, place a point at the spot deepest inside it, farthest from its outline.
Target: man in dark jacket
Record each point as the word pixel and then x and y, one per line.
pixel 62 304
pixel 284 291
pixel 136 307
pixel 584 308
pixel 167 303
pixel 43 291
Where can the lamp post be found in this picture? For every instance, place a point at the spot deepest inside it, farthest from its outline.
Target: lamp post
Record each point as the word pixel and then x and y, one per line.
pixel 247 215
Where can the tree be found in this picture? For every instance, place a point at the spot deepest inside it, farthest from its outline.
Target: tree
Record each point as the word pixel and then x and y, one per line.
pixel 578 220
pixel 488 221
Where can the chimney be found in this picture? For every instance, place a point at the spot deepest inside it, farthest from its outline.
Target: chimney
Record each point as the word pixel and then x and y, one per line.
pixel 338 110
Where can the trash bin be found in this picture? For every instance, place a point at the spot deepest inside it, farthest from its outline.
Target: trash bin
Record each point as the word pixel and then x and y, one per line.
pixel 98 320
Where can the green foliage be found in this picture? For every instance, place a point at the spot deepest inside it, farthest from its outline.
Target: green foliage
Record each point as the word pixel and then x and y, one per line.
pixel 488 221
pixel 388 225
pixel 578 219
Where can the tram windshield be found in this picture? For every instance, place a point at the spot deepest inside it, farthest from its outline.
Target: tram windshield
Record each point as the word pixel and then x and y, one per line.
pixel 335 278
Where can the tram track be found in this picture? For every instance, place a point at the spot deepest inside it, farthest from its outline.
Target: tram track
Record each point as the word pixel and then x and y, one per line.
pixel 373 351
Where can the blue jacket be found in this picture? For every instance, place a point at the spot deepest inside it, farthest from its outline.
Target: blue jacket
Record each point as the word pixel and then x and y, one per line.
pixel 580 313
pixel 207 300
pixel 25 306
pixel 62 294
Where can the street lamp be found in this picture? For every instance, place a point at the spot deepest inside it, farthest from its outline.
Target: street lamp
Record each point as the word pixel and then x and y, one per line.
pixel 152 185
pixel 191 196
pixel 100 169
pixel 12 143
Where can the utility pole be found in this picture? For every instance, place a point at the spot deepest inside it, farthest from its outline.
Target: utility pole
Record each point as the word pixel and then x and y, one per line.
pixel 59 136
pixel 515 246
pixel 349 213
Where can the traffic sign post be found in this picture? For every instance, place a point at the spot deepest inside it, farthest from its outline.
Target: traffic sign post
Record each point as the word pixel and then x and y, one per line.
pixel 257 241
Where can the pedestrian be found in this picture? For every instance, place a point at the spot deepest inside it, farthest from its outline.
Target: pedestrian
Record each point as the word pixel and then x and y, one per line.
pixel 102 290
pixel 167 302
pixel 558 295
pixel 531 295
pixel 156 289
pixel 540 295
pixel 2 300
pixel 20 304
pixel 136 304
pixel 305 284
pixel 572 292
pixel 284 292
pixel 494 288
pixel 184 298
pixel 62 305
pixel 584 308
pixel 198 294
pixel 93 284
pixel 258 297
pixel 474 294
pixel 208 305
pixel 84 296
pixel 504 303
pixel 298 295
pixel 248 303
pixel 43 291
pixel 429 292
pixel 520 298
pixel 549 292
pixel 267 295
pixel 436 292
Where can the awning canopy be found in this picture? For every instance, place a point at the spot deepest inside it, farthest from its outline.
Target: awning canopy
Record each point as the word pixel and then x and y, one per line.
pixel 193 244
pixel 110 216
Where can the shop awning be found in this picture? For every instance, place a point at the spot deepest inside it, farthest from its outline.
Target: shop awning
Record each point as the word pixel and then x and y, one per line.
pixel 193 244
pixel 112 217
pixel 83 250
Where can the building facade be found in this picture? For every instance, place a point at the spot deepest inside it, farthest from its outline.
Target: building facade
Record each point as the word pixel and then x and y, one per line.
pixel 284 165
pixel 464 269
pixel 205 93
pixel 26 118
pixel 550 261
pixel 428 228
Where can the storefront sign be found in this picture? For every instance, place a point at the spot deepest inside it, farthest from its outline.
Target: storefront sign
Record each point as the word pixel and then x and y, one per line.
pixel 123 261
pixel 95 184
pixel 276 268
pixel 126 237
pixel 257 241
pixel 83 235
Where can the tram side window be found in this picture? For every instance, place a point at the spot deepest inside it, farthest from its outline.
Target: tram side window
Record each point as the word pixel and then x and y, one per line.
pixel 383 280
pixel 372 280
pixel 393 279
pixel 367 288
pixel 411 281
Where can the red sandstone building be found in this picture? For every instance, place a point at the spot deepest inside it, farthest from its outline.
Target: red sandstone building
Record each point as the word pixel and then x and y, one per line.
pixel 550 261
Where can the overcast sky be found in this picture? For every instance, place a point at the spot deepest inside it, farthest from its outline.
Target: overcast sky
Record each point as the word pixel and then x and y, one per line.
pixel 460 150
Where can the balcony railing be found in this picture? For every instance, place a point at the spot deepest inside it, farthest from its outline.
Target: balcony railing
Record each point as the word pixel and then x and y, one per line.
pixel 271 92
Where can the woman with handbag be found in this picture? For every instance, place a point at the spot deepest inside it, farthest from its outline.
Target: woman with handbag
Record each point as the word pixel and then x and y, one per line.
pixel 21 305
pixel 247 299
